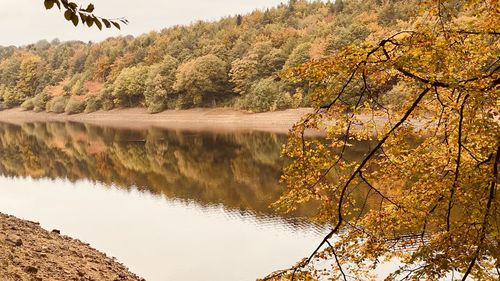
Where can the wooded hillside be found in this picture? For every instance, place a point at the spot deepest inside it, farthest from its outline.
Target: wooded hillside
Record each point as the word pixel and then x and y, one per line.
pixel 235 61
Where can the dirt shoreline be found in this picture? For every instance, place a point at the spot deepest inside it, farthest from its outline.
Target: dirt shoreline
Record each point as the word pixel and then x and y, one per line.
pixel 213 119
pixel 29 252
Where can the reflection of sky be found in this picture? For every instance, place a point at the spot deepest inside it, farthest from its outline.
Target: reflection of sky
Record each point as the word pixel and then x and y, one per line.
pixel 158 238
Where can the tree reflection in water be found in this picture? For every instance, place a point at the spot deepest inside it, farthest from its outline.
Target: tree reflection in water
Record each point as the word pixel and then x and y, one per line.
pixel 241 171
pixel 238 170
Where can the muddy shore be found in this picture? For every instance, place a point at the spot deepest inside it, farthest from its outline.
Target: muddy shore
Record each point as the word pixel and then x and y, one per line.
pixel 213 119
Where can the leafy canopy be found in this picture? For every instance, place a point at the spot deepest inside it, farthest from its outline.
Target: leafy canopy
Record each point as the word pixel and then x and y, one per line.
pixel 425 193
pixel 77 14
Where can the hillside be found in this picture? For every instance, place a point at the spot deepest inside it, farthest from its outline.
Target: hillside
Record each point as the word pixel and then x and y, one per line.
pixel 233 62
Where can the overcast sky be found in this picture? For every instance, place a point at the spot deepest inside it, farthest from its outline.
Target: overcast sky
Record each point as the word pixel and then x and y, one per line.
pixel 26 21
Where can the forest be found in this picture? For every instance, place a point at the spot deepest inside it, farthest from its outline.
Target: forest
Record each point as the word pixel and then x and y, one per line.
pixel 237 61
pixel 425 191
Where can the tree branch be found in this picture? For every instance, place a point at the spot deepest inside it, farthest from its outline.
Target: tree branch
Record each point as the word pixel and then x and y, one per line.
pixel 491 198
pixel 337 261
pixel 337 226
pixel 459 158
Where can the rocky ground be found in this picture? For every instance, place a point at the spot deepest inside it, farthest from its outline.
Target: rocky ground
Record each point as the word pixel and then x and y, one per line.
pixel 29 252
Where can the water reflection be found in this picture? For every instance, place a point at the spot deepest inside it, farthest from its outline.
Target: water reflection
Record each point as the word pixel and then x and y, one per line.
pixel 171 205
pixel 240 171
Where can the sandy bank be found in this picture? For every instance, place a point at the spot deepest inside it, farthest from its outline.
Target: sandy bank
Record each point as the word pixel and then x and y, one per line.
pixel 28 252
pixel 192 119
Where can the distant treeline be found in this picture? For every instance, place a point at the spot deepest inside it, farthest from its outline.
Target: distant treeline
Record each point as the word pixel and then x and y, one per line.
pixel 235 61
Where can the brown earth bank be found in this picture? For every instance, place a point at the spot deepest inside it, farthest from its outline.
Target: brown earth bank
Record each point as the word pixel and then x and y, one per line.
pixel 29 252
pixel 192 119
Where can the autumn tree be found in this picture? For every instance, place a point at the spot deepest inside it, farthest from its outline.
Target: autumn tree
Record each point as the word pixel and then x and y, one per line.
pixel 265 43
pixel 202 80
pixel 425 192
pixel 243 73
pixel 102 68
pixel 267 95
pixel 130 85
pixel 299 55
pixel 160 84
pixel 28 80
pixel 9 97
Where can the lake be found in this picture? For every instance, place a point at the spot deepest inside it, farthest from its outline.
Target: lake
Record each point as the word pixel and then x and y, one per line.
pixel 169 204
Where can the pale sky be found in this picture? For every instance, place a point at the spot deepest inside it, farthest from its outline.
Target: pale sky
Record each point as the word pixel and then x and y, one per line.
pixel 26 21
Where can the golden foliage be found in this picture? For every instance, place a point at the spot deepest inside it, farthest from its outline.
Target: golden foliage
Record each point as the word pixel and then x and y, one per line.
pixel 434 166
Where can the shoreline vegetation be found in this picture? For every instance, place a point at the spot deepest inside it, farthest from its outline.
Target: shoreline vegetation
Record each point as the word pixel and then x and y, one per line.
pixel 29 252
pixel 242 61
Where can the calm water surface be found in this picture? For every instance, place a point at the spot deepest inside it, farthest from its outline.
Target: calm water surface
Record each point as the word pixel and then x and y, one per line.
pixel 170 205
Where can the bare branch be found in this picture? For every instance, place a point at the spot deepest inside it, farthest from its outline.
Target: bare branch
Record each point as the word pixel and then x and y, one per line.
pixel 459 159
pixel 337 261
